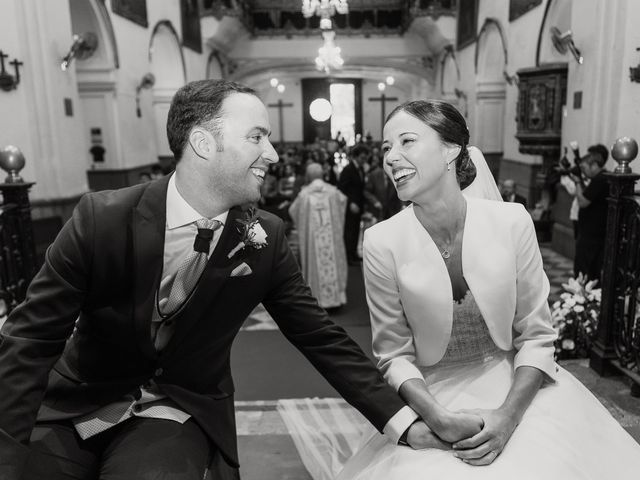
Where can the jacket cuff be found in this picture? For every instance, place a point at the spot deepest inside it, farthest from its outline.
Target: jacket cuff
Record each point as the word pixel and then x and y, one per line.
pixel 399 423
pixel 542 360
pixel 399 371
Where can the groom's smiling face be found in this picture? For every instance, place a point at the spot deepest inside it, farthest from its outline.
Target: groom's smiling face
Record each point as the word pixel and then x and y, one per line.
pixel 243 152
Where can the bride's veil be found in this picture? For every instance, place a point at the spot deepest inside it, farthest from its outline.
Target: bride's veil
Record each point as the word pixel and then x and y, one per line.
pixel 483 186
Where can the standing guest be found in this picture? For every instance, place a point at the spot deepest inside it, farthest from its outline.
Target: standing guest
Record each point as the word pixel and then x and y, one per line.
pixel 592 216
pixel 509 193
pixel 318 213
pixel 381 194
pixel 351 183
pixel 329 172
pixel 117 363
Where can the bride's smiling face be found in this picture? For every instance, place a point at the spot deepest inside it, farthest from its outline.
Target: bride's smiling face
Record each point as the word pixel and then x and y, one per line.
pixel 414 156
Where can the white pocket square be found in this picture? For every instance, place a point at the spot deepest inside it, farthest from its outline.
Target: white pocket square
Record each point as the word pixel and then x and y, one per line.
pixel 241 270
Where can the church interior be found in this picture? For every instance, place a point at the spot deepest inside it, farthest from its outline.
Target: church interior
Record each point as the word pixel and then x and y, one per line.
pixel 86 85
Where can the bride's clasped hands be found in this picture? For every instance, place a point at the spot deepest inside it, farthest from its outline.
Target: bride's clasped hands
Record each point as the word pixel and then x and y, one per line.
pixel 484 447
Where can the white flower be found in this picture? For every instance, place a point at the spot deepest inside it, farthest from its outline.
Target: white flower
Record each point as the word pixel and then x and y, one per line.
pixel 573 285
pixel 565 296
pixel 569 302
pixel 556 305
pixel 597 295
pixel 257 234
pixel 579 299
pixel 578 309
pixel 568 344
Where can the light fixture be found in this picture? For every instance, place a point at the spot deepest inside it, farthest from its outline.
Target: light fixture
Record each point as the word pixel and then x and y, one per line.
pixel 146 82
pixel 634 72
pixel 329 57
pixel 280 88
pixel 83 46
pixel 274 82
pixel 320 109
pixel 324 8
pixel 563 42
pixel 382 86
pixel 390 80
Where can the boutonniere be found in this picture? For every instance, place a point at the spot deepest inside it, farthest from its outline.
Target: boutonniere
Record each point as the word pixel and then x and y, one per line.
pixel 253 235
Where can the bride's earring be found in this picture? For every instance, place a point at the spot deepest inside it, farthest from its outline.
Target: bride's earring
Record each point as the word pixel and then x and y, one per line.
pixel 449 165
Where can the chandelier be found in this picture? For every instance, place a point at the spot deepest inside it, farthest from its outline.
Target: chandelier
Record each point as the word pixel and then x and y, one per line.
pixel 329 57
pixel 324 8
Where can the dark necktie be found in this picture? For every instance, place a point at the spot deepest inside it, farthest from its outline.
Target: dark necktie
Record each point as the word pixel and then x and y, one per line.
pixel 187 277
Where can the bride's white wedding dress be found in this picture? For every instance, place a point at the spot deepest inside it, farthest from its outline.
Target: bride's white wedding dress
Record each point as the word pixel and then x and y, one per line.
pixel 565 434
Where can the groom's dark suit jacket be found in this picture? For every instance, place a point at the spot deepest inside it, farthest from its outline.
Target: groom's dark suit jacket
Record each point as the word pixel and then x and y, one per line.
pixel 97 287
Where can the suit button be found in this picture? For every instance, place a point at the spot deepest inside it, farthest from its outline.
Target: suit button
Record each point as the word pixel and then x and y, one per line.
pixel 158 372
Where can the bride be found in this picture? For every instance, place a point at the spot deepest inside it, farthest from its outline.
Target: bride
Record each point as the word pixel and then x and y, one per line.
pixel 461 327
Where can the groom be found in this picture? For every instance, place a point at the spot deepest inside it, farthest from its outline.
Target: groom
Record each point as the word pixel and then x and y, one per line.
pixel 117 363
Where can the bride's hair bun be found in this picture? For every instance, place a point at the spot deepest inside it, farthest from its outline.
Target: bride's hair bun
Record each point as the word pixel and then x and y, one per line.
pixel 465 169
pixel 450 126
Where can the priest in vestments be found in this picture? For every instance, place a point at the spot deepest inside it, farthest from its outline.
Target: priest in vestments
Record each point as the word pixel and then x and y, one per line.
pixel 318 213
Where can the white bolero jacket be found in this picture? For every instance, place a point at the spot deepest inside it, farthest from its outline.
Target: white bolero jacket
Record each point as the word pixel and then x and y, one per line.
pixel 411 300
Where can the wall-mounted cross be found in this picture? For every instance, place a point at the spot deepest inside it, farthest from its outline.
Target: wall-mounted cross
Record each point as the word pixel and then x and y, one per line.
pixel 383 99
pixel 280 105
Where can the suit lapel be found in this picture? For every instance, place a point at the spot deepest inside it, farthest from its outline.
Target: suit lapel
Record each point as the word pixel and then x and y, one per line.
pixel 148 225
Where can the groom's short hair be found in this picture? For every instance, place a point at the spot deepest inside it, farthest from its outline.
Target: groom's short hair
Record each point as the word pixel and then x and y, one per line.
pixel 199 103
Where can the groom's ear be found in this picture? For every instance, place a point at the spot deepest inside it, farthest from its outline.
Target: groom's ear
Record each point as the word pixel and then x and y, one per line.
pixel 202 142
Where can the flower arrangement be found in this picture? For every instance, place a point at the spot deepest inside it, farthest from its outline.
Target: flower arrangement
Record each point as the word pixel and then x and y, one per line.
pixel 253 235
pixel 575 317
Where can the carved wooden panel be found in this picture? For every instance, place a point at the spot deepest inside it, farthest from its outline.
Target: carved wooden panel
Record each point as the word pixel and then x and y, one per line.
pixel 542 93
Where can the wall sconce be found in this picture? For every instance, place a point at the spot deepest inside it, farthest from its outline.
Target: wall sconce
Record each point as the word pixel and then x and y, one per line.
pixel 563 41
pixel 83 46
pixel 9 82
pixel 634 72
pixel 146 82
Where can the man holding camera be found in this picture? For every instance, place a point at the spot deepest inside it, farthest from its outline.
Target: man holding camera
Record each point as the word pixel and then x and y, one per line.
pixel 592 216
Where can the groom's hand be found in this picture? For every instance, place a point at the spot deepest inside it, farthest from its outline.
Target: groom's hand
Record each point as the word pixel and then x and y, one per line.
pixel 455 426
pixel 420 437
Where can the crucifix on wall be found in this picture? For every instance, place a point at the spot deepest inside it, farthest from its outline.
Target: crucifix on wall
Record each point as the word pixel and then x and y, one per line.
pixel 280 105
pixel 383 99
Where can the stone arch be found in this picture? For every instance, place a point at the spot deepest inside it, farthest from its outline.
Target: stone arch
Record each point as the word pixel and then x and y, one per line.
pixel 490 65
pixel 96 81
pixel 167 64
pixel 557 14
pixel 93 16
pixel 450 78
